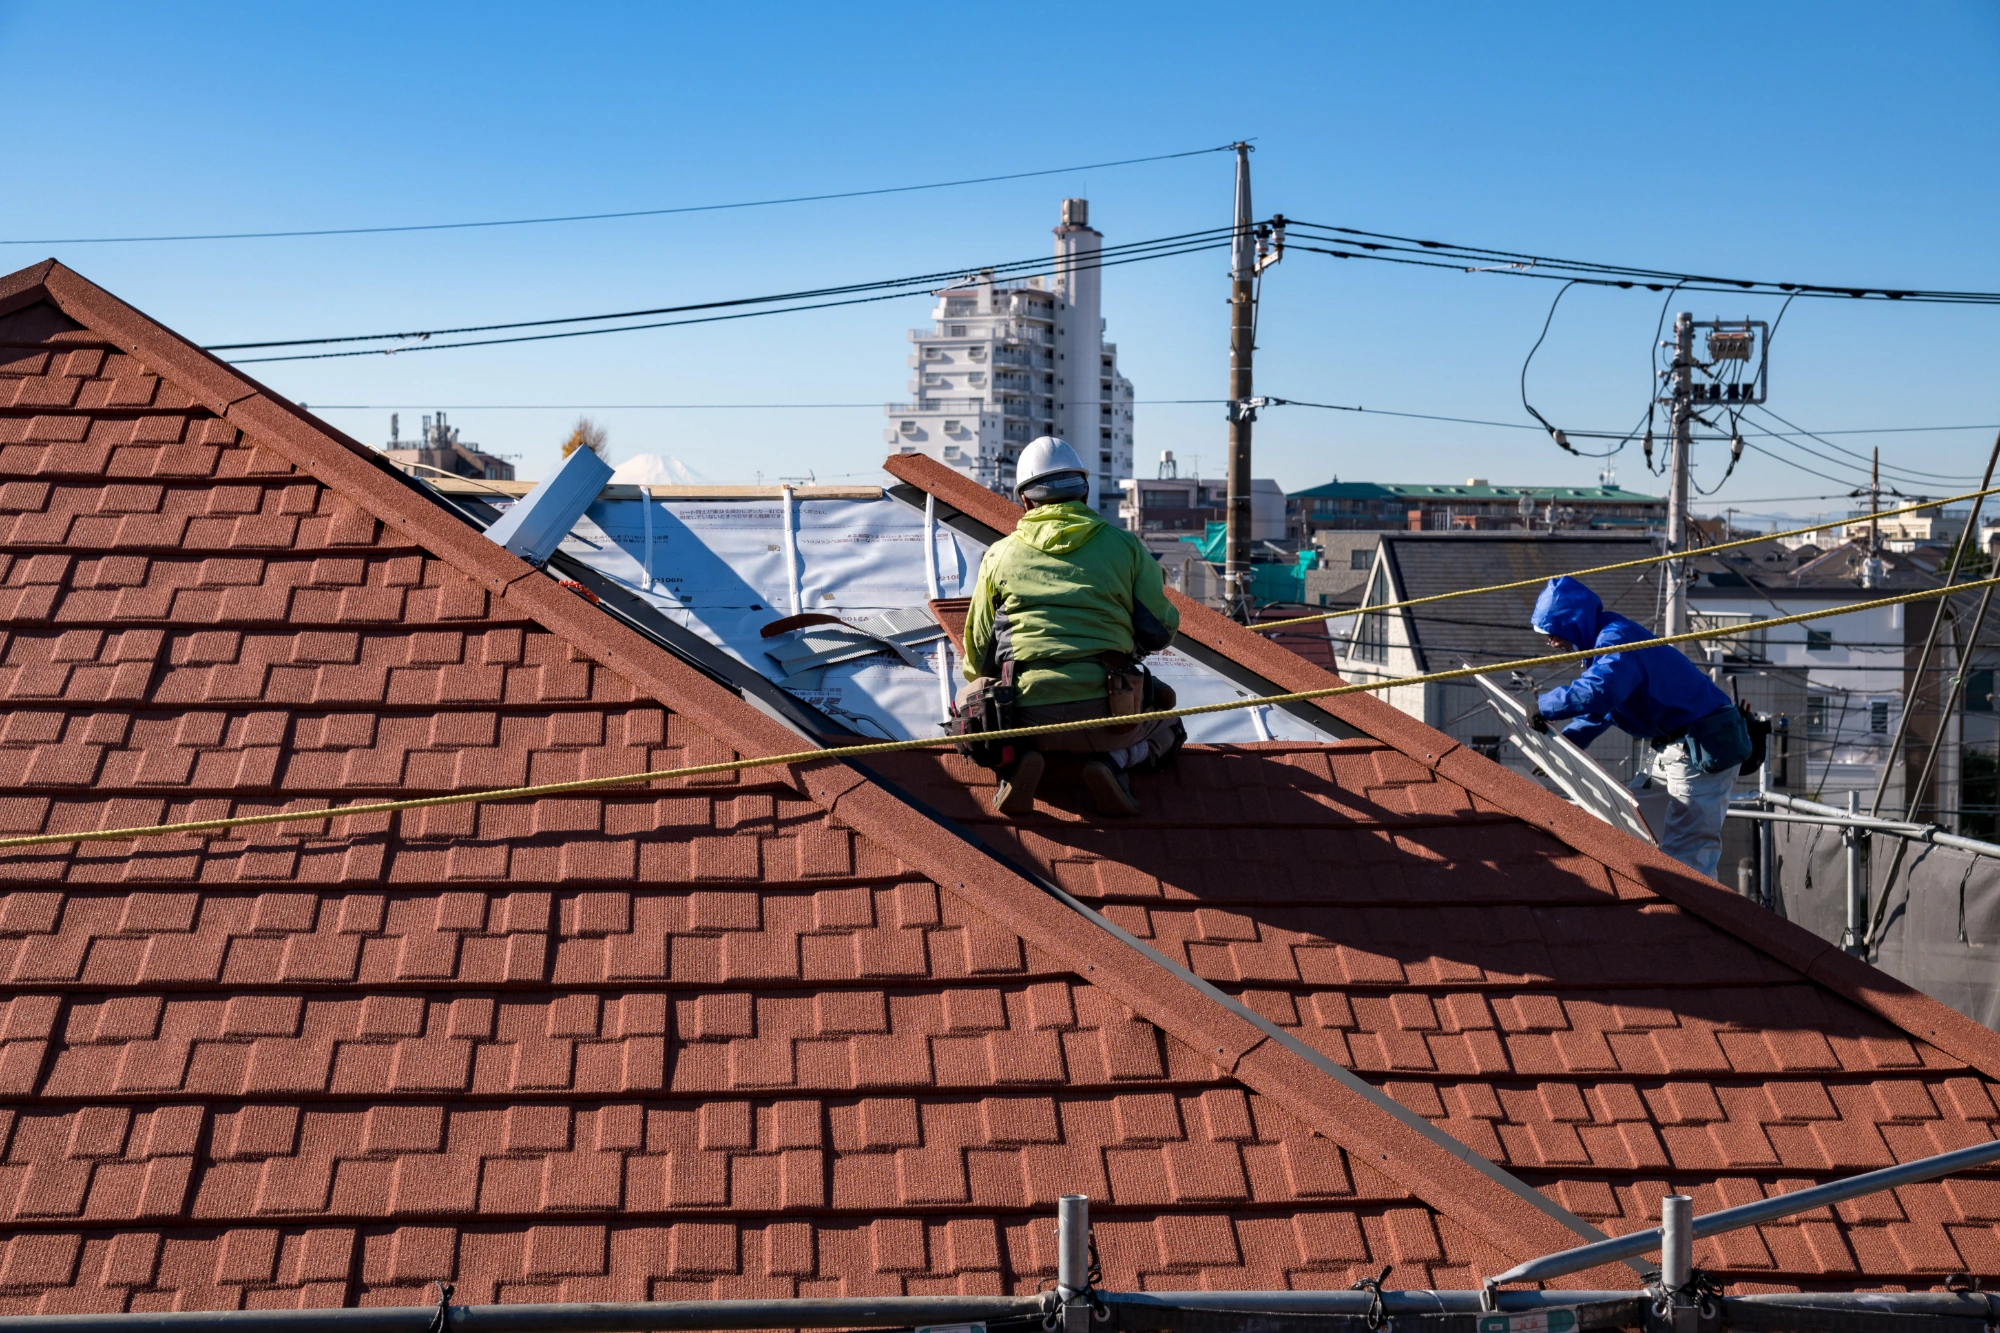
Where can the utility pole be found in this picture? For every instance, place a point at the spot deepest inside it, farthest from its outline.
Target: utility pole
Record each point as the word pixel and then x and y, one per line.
pixel 1242 413
pixel 1875 503
pixel 1681 393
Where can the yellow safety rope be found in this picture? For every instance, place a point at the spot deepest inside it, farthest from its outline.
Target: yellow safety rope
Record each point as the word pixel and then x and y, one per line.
pixel 924 743
pixel 1266 626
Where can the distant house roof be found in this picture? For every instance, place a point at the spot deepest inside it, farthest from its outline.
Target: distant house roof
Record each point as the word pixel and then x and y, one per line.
pixel 1369 490
pixel 1495 626
pixel 1808 571
pixel 827 1029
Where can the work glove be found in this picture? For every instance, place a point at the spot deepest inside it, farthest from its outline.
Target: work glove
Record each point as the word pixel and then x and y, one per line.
pixel 1539 723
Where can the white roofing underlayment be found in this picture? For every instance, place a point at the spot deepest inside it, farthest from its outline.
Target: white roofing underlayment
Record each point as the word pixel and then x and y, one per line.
pixel 726 568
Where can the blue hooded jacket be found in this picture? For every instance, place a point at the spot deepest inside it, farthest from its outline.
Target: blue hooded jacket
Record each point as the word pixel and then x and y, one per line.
pixel 1652 692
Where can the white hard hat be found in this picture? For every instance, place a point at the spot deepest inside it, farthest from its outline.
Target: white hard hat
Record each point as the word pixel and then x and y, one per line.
pixel 1043 458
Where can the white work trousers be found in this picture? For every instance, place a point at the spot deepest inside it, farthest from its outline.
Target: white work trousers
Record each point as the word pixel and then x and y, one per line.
pixel 1696 805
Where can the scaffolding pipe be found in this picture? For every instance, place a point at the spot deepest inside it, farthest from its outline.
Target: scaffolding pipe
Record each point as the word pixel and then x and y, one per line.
pixel 1676 1241
pixel 1921 832
pixel 1851 939
pixel 1125 1311
pixel 1072 1245
pixel 606 1317
pixel 1746 1215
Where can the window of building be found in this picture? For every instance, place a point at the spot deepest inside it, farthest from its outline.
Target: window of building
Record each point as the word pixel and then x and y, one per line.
pixel 909 427
pixel 958 330
pixel 1361 557
pixel 951 428
pixel 1816 706
pixel 934 354
pixel 976 353
pixel 1878 716
pixel 1979 691
pixel 1819 640
pixel 1371 632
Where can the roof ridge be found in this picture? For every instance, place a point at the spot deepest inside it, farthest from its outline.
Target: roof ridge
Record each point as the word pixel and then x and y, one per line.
pixel 1903 1006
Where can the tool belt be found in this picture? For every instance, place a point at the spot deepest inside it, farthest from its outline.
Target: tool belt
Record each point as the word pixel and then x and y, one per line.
pixel 989 706
pixel 1130 688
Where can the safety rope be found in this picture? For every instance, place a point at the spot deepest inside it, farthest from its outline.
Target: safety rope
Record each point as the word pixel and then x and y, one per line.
pixel 1266 626
pixel 935 742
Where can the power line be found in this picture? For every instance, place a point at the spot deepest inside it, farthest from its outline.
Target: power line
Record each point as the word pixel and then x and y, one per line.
pixel 1009 268
pixel 417 341
pixel 601 217
pixel 1388 248
pixel 652 407
pixel 1858 457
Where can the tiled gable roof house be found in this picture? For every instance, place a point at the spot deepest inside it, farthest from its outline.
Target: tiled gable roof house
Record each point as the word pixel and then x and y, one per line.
pixel 818 1030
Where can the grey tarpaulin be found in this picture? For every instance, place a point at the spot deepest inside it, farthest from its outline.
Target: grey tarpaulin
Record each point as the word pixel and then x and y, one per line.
pixel 1934 912
pixel 726 569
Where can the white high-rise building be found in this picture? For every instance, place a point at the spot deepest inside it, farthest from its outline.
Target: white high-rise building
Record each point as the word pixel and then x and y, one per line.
pixel 1006 362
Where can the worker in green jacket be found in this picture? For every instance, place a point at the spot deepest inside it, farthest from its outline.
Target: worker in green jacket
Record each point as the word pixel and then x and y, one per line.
pixel 1073 603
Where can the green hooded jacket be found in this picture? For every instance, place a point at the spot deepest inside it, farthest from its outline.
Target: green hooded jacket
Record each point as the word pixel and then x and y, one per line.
pixel 1064 587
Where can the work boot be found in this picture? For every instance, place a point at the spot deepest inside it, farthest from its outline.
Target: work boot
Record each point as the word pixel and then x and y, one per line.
pixel 1016 795
pixel 1110 790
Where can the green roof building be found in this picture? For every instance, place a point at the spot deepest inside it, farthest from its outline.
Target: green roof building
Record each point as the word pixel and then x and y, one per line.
pixel 1477 506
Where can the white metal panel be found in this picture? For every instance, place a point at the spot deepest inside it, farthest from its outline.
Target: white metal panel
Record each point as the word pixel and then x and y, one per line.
pixel 1582 778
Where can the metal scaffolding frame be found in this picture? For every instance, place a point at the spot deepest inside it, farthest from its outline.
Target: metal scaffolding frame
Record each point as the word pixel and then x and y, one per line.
pixel 1679 1300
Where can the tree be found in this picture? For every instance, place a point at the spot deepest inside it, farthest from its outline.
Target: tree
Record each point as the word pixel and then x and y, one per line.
pixel 586 434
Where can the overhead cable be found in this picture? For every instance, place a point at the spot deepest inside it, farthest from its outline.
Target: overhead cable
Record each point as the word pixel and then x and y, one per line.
pixel 1394 249
pixel 417 341
pixel 1009 268
pixel 660 407
pixel 603 217
pixel 314 815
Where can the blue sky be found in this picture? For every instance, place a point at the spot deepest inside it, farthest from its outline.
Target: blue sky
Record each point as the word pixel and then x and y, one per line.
pixel 1820 143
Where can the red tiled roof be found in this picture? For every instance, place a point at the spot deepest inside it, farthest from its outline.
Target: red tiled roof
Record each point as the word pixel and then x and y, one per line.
pixel 1561 998
pixel 783 1032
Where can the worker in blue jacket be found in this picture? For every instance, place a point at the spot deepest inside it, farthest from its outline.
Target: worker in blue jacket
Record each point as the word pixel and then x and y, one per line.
pixel 1699 736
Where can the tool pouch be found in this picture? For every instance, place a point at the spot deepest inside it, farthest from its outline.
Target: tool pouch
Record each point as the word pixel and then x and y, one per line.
pixel 1125 692
pixel 988 706
pixel 1130 688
